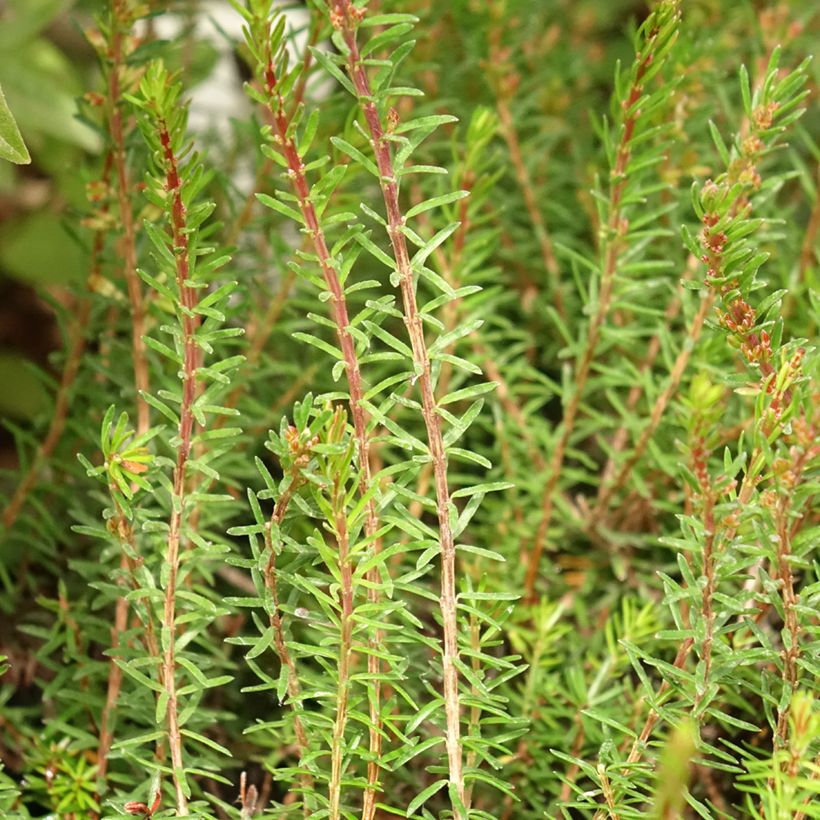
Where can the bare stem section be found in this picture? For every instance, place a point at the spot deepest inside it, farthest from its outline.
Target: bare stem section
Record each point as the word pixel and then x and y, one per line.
pixel 347 19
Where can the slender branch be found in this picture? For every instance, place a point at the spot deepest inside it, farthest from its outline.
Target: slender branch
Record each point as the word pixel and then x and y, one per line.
pixel 448 264
pixel 106 734
pixel 640 742
pixel 246 213
pixel 606 788
pixel 621 437
pixel 296 172
pixel 77 344
pixel 474 722
pixel 676 374
pixel 790 478
pixel 639 745
pixel 710 551
pixel 337 748
pixel 612 248
pixel 279 642
pixel 128 564
pixel 811 799
pixel 190 363
pixel 791 623
pixel 121 19
pixel 347 18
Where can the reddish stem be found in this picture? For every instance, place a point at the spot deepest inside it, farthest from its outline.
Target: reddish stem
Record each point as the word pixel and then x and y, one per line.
pixel 348 18
pixel 190 363
pixel 339 310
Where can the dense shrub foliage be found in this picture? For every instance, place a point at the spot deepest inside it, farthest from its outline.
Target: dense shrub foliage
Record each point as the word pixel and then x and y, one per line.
pixel 435 430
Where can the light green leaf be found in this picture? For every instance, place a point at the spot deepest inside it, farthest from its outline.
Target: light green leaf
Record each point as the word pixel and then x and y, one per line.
pixel 420 799
pixel 12 146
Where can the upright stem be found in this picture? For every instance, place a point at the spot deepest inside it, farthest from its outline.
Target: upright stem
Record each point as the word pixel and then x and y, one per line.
pixel 678 368
pixel 280 644
pixel 128 547
pixel 296 172
pixel 128 243
pixel 791 624
pixel 709 589
pixel 613 247
pixel 345 655
pixel 606 788
pixel 191 357
pixel 106 736
pixel 639 745
pixel 346 16
pixel 120 21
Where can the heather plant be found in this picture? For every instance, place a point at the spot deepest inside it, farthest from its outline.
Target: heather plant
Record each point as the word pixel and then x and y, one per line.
pixel 438 438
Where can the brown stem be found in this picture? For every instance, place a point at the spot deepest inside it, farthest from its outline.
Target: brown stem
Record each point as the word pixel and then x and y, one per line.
pixel 474 723
pixel 346 16
pixel 639 745
pixel 120 19
pixel 127 564
pixel 77 343
pixel 810 800
pixel 709 589
pixel 451 317
pixel 574 768
pixel 244 217
pixel 606 788
pixel 791 623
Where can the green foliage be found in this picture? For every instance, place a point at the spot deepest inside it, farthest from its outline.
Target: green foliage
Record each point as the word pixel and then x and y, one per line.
pixel 12 147
pixel 463 462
